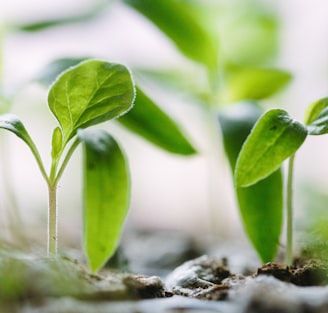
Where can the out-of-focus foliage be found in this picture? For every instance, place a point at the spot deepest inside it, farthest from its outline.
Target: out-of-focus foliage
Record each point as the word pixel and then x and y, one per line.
pixel 177 20
pixel 43 24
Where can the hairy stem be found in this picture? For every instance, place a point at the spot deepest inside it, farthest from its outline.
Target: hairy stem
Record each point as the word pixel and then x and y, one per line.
pixel 52 220
pixel 52 198
pixel 289 204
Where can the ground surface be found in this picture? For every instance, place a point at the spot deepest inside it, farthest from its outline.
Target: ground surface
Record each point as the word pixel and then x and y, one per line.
pixel 188 281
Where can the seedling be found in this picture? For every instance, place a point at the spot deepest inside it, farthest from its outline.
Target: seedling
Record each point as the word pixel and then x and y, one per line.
pixel 274 138
pixel 228 67
pixel 237 74
pixel 90 93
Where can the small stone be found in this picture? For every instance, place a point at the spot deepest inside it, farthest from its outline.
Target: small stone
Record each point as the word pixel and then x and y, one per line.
pixel 199 278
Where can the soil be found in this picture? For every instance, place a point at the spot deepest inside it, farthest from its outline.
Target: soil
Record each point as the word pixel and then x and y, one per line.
pixel 202 284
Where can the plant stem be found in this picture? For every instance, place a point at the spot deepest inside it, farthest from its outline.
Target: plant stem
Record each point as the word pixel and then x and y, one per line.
pixel 54 177
pixel 289 203
pixel 52 220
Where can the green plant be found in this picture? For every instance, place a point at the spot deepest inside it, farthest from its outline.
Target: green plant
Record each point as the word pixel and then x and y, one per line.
pixel 221 41
pixel 274 138
pixel 225 66
pixel 90 93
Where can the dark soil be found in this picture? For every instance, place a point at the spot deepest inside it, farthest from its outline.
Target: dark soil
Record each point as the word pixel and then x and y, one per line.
pixel 40 284
pixel 302 273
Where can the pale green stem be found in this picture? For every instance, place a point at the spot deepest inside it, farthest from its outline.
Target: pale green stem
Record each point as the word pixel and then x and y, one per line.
pixel 52 189
pixel 38 160
pixel 52 220
pixel 289 204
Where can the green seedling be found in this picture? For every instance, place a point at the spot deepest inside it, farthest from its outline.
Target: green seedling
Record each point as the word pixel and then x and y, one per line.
pixel 225 65
pixel 231 72
pixel 274 138
pixel 261 203
pixel 88 94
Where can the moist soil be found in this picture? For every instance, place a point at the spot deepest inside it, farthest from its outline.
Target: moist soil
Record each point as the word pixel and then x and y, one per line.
pixel 198 285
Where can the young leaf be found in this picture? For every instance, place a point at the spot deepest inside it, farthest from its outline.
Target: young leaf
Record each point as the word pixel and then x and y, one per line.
pixel 273 139
pixel 254 83
pixel 90 93
pixel 316 117
pixel 12 123
pixel 260 205
pixel 56 143
pixel 106 195
pixel 149 121
pixel 175 19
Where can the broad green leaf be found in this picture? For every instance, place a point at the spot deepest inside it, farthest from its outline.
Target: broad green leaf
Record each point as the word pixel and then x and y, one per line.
pixel 92 92
pixel 260 205
pixel 52 70
pixel 149 121
pixel 175 19
pixel 106 195
pixel 261 208
pixel 316 117
pixel 254 84
pixel 274 138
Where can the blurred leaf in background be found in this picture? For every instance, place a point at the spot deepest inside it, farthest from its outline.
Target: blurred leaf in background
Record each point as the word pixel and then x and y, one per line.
pixel 249 33
pixel 149 121
pixel 64 19
pixel 254 83
pixel 177 20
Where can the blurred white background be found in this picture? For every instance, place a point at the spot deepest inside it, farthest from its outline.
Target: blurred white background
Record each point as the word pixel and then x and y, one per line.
pixel 168 191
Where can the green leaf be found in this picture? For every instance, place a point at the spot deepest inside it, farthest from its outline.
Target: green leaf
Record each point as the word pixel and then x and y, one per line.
pixel 254 84
pixel 260 205
pixel 273 139
pixel 12 123
pixel 90 93
pixel 176 19
pixel 249 33
pixel 60 21
pixel 149 121
pixel 261 209
pixel 316 117
pixel 56 143
pixel 178 80
pixel 51 71
pixel 106 195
